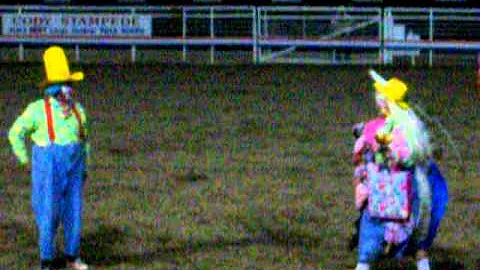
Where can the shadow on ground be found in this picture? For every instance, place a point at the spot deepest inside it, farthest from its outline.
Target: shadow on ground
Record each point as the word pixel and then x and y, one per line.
pixel 100 248
pixel 440 258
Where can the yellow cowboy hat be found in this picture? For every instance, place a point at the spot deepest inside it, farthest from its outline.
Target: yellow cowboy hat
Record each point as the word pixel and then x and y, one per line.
pixel 394 90
pixel 56 67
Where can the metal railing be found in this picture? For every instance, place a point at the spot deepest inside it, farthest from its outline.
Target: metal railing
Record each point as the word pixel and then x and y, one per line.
pixel 322 35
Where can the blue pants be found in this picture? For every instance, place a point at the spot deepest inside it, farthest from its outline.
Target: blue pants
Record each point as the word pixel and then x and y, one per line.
pixel 371 234
pixel 58 173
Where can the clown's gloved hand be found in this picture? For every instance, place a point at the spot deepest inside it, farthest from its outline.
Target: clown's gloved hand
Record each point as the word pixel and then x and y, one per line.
pixel 383 138
pixel 23 160
pixel 357 129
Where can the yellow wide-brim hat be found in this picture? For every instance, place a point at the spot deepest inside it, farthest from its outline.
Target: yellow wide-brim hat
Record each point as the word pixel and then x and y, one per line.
pixel 56 67
pixel 394 90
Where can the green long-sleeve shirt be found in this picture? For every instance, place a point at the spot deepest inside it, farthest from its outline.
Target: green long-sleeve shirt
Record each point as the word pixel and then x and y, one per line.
pixel 33 122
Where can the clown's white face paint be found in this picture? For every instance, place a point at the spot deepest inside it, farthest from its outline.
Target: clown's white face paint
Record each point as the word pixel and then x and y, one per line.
pixel 382 104
pixel 67 92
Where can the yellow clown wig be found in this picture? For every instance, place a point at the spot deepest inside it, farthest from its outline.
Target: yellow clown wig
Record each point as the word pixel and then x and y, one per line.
pixel 390 96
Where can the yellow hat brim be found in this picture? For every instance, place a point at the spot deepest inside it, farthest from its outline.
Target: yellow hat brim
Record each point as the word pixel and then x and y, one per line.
pixel 403 105
pixel 74 77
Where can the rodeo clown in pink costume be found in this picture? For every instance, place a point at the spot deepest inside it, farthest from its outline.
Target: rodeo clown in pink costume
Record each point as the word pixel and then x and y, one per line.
pixel 57 127
pixel 399 189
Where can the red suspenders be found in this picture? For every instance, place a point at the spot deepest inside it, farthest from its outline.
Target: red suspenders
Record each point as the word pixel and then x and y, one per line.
pixel 81 132
pixel 51 131
pixel 48 111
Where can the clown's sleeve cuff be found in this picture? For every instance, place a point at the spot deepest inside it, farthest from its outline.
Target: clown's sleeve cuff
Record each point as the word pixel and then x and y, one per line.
pixel 16 139
pixel 23 159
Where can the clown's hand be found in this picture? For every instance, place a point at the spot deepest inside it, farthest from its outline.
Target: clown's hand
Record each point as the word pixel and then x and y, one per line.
pixel 357 129
pixel 383 138
pixel 23 160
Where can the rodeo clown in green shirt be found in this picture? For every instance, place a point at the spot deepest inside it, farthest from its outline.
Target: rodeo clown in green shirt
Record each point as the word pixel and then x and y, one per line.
pixel 57 127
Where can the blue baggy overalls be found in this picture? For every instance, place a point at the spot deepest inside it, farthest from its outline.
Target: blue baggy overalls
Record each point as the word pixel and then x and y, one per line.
pixel 58 174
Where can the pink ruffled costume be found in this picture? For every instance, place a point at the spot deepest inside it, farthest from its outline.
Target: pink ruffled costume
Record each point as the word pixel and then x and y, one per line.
pixel 365 148
pixel 366 142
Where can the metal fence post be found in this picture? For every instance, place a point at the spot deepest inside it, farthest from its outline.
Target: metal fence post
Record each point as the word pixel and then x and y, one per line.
pixel 134 48
pixel 77 53
pixel 133 53
pixel 381 59
pixel 212 35
pixel 184 33
pixel 430 37
pixel 304 24
pixel 254 35
pixel 21 53
pixel 265 24
pixel 387 21
pixel 265 29
pixel 259 33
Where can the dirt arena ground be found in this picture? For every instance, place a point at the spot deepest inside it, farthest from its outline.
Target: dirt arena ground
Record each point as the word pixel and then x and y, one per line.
pixel 235 167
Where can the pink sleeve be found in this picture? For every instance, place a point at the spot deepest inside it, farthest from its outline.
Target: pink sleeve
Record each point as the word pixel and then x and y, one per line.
pixel 359 144
pixel 361 195
pixel 370 131
pixel 399 147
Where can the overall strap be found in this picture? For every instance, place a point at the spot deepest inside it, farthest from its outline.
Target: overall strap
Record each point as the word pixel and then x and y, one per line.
pixel 81 131
pixel 48 111
pixel 51 131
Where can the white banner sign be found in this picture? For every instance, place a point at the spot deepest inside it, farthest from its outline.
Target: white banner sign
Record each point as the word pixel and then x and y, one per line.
pixel 57 24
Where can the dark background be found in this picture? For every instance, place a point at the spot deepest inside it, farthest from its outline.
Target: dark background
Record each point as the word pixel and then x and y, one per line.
pixel 374 3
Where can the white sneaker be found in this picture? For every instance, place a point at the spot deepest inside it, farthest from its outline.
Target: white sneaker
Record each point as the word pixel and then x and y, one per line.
pixel 77 265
